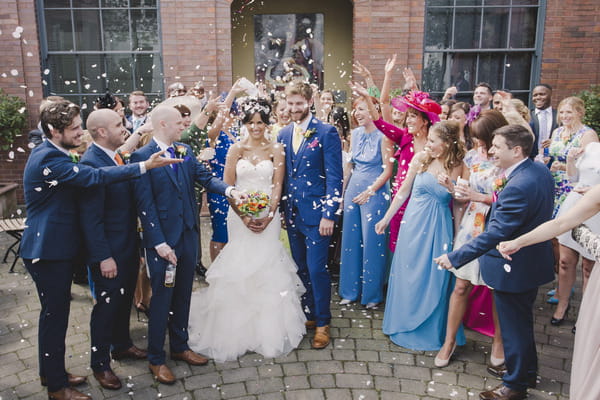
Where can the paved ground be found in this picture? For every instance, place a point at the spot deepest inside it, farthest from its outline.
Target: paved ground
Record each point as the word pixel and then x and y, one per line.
pixel 361 363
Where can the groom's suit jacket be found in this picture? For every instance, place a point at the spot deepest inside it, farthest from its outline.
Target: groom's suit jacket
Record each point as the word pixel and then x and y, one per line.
pixel 167 202
pixel 313 183
pixel 525 202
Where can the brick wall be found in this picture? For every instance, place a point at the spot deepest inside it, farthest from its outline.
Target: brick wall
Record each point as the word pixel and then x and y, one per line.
pixel 571 53
pixel 20 54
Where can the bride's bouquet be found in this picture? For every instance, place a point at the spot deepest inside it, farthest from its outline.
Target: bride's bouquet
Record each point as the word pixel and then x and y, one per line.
pixel 257 205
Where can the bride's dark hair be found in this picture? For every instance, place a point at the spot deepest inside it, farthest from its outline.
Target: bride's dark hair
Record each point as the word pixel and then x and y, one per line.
pixel 253 106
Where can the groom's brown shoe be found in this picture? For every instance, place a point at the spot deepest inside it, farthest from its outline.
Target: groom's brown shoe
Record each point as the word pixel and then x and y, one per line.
pixel 190 357
pixel 68 394
pixel 74 380
pixel 162 373
pixel 310 324
pixel 321 339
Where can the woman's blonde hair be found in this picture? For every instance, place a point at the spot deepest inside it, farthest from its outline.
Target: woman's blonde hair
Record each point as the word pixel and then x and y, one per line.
pixel 449 132
pixel 575 102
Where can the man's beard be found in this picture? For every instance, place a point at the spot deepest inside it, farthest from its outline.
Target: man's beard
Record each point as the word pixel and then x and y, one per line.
pixel 304 115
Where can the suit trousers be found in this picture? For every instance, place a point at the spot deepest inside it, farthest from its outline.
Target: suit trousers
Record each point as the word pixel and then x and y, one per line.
pixel 53 283
pixel 170 306
pixel 310 250
pixel 109 323
pixel 515 313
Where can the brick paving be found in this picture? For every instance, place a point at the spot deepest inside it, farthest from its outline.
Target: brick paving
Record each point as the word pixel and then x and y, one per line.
pixel 360 363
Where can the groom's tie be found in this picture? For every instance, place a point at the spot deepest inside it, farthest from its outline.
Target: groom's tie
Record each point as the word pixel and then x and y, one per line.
pixel 297 139
pixel 171 151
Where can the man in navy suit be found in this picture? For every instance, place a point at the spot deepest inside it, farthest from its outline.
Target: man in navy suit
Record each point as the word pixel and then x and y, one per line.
pixel 109 223
pixel 313 190
pixel 524 202
pixel 52 237
pixel 169 213
pixel 543 118
pixel 138 104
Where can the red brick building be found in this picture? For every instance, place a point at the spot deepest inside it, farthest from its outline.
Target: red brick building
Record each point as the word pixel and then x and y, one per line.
pixel 79 48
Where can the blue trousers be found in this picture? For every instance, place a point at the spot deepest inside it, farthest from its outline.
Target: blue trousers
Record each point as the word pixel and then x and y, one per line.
pixel 170 306
pixel 53 283
pixel 309 250
pixel 364 252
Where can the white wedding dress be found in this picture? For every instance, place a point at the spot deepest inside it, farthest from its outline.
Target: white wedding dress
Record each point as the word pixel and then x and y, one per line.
pixel 252 302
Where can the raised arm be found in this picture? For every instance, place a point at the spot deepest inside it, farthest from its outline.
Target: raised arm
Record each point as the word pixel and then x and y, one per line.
pixel 386 110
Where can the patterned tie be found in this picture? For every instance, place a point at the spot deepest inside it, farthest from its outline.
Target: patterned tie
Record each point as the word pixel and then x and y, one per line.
pixel 171 151
pixel 297 139
pixel 119 159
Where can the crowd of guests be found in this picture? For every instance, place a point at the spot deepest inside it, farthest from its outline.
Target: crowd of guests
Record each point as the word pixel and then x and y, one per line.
pixel 407 208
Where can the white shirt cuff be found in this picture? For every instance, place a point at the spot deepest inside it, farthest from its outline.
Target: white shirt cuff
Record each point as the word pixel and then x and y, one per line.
pixel 142 168
pixel 228 191
pixel 160 245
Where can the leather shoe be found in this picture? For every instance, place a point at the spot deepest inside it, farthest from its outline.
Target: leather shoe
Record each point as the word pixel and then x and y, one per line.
pixel 162 373
pixel 190 357
pixel 68 394
pixel 310 324
pixel 108 380
pixel 502 392
pixel 321 339
pixel 74 380
pixel 500 370
pixel 133 352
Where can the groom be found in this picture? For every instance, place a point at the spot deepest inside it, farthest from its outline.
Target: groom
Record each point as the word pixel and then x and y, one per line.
pixel 525 200
pixel 313 190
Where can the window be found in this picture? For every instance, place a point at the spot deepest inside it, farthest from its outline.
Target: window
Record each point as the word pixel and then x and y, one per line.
pixel 90 46
pixel 471 41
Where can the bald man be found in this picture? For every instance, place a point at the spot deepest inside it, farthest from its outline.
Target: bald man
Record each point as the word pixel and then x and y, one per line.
pixel 169 213
pixel 109 222
pixel 52 181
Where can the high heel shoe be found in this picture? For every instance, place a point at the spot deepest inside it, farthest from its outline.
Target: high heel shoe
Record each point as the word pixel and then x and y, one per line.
pixel 142 308
pixel 344 302
pixel 496 362
pixel 441 363
pixel 558 321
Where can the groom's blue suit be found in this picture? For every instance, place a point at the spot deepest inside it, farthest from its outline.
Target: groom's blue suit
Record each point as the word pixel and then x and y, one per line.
pixel 312 190
pixel 525 202
pixel 169 213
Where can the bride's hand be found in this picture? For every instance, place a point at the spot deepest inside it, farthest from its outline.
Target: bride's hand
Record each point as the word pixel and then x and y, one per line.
pixel 259 225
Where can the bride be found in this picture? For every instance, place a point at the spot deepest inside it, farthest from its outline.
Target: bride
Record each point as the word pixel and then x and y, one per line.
pixel 252 302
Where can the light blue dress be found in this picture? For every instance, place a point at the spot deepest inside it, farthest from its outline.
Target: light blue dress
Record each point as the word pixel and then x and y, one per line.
pixel 364 252
pixel 416 308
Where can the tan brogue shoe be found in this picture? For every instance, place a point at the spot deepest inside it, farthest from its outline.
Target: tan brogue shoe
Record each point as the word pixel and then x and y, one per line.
pixel 68 394
pixel 74 380
pixel 321 339
pixel 162 373
pixel 108 380
pixel 190 357
pixel 310 324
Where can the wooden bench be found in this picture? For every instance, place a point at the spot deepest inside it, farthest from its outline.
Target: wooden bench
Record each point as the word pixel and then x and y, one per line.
pixel 13 227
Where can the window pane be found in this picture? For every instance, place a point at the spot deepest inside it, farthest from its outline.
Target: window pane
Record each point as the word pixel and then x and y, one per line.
pixel 116 29
pixel 518 71
pixel 59 32
pixel 440 2
pixel 143 3
pixel 85 3
pixel 87 29
pixel 118 73
pixel 466 28
pixel 63 74
pixel 433 72
pixel 144 26
pixel 525 2
pixel 147 73
pixel 439 28
pixel 468 2
pixel 56 3
pixel 91 68
pixel 495 28
pixel 522 27
pixel 497 2
pixel 114 3
pixel 491 69
pixel 462 71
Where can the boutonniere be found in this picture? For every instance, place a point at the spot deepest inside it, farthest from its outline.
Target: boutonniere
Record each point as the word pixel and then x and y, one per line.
pixel 309 133
pixel 181 151
pixel 74 156
pixel 497 186
pixel 313 144
pixel 125 156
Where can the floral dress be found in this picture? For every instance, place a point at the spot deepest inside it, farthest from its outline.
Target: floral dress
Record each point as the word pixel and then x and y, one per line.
pixel 559 148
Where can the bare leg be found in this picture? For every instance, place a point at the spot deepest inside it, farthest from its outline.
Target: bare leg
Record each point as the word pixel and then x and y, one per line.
pixel 587 266
pixel 566 278
pixel 456 312
pixel 215 249
pixel 497 345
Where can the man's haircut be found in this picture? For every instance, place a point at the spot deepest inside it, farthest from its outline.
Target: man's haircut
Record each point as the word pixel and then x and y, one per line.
pixel 58 115
pixel 485 85
pixel 516 135
pixel 544 85
pixel 298 87
pixel 137 93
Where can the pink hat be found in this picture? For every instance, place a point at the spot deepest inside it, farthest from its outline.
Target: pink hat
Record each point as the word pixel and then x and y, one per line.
pixel 420 101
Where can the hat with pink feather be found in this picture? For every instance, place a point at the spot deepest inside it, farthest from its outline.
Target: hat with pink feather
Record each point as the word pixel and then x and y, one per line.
pixel 419 101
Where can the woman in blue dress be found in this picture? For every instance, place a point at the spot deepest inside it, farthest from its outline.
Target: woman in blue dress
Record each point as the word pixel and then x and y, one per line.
pixel 418 292
pixel 363 261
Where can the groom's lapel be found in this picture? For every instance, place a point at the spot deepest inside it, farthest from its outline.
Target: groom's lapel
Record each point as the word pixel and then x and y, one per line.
pixel 311 125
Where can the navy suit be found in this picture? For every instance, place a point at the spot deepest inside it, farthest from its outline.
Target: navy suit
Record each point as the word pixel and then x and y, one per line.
pixel 312 190
pixel 51 240
pixel 169 213
pixel 109 224
pixel 535 127
pixel 525 202
pixel 129 118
